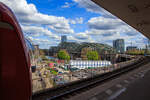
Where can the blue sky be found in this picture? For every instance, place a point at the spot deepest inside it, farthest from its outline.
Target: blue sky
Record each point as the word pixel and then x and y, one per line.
pixel 60 8
pixel 44 21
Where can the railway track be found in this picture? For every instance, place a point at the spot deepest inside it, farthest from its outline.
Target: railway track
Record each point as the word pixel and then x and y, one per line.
pixel 74 88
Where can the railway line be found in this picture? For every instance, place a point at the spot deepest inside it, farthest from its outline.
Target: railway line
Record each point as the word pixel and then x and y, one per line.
pixel 74 88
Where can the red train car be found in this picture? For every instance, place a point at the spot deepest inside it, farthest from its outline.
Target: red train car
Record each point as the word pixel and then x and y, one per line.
pixel 14 59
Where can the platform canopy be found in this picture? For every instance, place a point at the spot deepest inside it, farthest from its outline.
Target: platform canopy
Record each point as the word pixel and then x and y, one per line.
pixel 136 13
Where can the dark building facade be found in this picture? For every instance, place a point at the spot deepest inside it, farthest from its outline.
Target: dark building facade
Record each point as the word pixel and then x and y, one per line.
pixel 128 48
pixel 63 38
pixel 53 50
pixel 119 45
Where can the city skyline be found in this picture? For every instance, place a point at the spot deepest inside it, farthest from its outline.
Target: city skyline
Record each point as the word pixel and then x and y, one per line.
pixel 80 20
pixel 64 39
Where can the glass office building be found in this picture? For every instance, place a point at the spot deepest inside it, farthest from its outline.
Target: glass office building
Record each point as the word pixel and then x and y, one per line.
pixel 63 38
pixel 119 45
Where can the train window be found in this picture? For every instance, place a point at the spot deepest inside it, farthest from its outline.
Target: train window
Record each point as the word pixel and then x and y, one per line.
pixel 31 49
pixel 6 26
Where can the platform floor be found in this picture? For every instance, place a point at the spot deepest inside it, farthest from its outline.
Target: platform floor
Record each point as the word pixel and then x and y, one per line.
pixel 138 90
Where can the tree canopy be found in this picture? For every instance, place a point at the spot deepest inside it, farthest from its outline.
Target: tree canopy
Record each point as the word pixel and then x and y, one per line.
pixel 92 55
pixel 62 54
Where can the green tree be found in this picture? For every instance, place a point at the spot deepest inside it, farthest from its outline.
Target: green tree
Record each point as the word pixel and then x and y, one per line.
pixel 92 55
pixel 62 54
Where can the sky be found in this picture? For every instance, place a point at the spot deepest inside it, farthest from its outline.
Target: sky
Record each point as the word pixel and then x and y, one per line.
pixel 44 21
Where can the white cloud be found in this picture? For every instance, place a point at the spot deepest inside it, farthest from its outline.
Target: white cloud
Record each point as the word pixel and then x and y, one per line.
pixel 36 31
pixel 41 40
pixel 66 5
pixel 28 14
pixel 72 39
pixel 104 23
pixel 92 7
pixel 72 21
pixel 77 20
pixel 62 28
pixel 109 26
pixel 82 36
pixel 44 43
